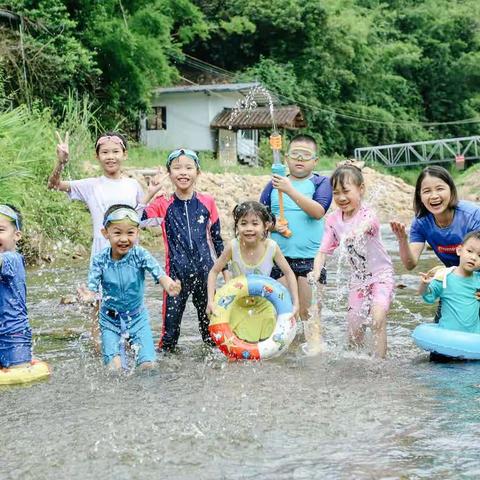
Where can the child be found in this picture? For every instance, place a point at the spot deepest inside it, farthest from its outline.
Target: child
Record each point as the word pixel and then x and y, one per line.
pixel 457 288
pixel 99 193
pixel 356 227
pixel 120 271
pixel 251 252
pixel 307 196
pixel 191 231
pixel 15 332
pixel 441 220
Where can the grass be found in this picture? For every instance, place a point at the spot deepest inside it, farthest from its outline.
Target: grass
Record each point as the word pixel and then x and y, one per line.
pixel 410 174
pixel 142 157
pixel 27 143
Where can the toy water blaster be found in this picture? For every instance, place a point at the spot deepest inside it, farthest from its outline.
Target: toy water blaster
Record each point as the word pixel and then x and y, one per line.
pixel 278 168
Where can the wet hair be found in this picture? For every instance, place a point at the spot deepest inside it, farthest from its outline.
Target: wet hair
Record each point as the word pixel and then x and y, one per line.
pixel 111 134
pixel 305 138
pixel 442 174
pixel 19 215
pixel 114 208
pixel 258 209
pixel 346 172
pixel 474 234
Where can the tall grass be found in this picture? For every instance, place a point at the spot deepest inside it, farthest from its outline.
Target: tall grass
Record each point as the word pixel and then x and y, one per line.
pixel 27 150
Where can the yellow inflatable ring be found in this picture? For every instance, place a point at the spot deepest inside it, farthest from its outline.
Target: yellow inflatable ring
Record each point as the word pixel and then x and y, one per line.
pixel 257 285
pixel 37 370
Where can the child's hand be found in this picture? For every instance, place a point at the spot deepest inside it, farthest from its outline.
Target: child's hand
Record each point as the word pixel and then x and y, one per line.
pixel 295 310
pixel 426 278
pixel 62 149
pixel 85 295
pixel 282 184
pixel 399 229
pixel 172 287
pixel 477 294
pixel 281 228
pixel 314 275
pixel 210 308
pixel 156 184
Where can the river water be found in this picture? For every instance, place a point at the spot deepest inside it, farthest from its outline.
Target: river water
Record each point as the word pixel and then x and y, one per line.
pixel 339 415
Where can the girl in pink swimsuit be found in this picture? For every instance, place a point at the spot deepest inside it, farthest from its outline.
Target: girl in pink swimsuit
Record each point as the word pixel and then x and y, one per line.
pixel 355 228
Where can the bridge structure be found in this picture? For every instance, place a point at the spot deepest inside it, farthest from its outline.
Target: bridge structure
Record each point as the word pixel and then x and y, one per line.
pixel 456 150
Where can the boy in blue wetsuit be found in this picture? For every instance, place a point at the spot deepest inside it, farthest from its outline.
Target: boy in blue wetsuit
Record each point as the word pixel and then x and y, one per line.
pixel 306 198
pixel 120 272
pixel 191 235
pixel 15 332
pixel 457 287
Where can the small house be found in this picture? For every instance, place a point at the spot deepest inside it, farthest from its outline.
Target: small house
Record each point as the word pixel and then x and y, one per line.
pixel 207 118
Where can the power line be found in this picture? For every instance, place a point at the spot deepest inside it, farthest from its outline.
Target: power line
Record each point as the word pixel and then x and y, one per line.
pixel 212 69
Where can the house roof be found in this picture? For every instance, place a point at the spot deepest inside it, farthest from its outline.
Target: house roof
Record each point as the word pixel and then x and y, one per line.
pixel 290 117
pixel 221 87
pixel 254 90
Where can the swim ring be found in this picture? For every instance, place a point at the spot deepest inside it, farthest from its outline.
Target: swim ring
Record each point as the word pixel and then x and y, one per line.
pixel 258 286
pixel 451 343
pixel 37 370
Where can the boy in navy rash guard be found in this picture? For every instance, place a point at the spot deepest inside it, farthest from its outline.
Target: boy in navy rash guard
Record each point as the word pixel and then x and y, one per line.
pixel 191 234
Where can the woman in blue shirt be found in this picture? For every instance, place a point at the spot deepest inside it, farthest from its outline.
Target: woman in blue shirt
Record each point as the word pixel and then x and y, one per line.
pixel 441 220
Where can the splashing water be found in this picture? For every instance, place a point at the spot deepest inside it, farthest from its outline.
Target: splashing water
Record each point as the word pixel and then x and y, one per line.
pixel 313 326
pixel 249 103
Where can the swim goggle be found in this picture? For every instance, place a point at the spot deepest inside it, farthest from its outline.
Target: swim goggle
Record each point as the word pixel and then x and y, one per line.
pixel 110 138
pixel 11 214
pixel 122 214
pixel 302 155
pixel 183 151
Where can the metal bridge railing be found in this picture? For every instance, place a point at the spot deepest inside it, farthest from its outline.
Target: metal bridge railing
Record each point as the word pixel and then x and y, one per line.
pixel 420 153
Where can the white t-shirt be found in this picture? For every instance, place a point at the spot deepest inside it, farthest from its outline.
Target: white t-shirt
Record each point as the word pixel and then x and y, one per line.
pixel 99 194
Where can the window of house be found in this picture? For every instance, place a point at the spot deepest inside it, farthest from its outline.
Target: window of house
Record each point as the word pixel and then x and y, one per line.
pixel 157 119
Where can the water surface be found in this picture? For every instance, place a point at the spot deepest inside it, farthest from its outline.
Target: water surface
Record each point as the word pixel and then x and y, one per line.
pixel 340 415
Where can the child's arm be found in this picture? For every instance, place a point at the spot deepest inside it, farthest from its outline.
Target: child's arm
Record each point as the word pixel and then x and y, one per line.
pixel 283 265
pixel 430 288
pixel 409 252
pixel 172 287
pixel 86 295
pixel 308 205
pixel 218 266
pixel 318 265
pixel 150 264
pixel 155 186
pixel 55 181
pixel 90 293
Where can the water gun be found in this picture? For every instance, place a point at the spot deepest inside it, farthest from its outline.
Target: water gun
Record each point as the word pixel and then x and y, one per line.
pixel 278 168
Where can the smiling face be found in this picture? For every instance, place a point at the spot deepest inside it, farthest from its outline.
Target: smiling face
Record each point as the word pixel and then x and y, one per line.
pixel 122 235
pixel 251 229
pixel 469 254
pixel 9 235
pixel 183 173
pixel 435 195
pixel 348 196
pixel 301 159
pixel 110 156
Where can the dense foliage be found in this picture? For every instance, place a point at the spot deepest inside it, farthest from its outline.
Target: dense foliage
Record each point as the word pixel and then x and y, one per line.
pixel 364 71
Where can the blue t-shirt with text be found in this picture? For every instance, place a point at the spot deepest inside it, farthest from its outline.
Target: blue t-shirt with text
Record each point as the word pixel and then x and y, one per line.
pixel 445 241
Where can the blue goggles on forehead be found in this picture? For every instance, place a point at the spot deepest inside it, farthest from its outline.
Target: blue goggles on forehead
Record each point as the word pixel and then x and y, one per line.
pixel 122 214
pixel 183 151
pixel 6 211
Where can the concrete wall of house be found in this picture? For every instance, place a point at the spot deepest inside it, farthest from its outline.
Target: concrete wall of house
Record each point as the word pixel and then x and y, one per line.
pixel 189 115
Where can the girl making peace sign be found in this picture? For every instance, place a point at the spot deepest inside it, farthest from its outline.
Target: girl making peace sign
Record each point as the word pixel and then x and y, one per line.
pixel 99 193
